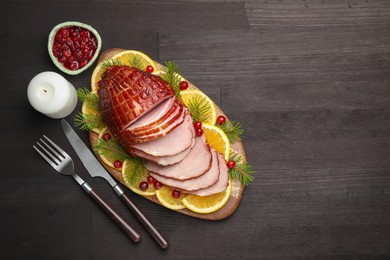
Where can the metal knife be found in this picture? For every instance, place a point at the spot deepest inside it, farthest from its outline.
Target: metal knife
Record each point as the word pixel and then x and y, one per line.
pixel 95 169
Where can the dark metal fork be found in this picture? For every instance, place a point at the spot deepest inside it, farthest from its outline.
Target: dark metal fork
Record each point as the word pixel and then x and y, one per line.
pixel 62 162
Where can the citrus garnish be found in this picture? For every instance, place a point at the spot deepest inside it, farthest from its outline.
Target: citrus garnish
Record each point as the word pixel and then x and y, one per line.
pixel 106 149
pixel 207 204
pixel 127 57
pixel 202 108
pixel 90 110
pixel 217 139
pixel 166 198
pixel 133 182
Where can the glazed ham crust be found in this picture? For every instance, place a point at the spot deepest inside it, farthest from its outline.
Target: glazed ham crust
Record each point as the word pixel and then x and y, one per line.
pixel 126 93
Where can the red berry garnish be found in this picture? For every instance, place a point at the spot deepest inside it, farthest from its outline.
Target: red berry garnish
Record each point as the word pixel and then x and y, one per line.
pixel 106 136
pixel 176 194
pixel 231 164
pixel 149 69
pixel 150 179
pixel 118 164
pixel 157 185
pixel 198 124
pixel 144 185
pixel 198 131
pixel 183 85
pixel 221 120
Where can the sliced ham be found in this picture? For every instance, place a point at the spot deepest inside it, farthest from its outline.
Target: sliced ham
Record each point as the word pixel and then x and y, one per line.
pixel 196 163
pixel 171 144
pixel 205 180
pixel 222 182
pixel 152 116
pixel 167 121
pixel 128 141
pixel 166 160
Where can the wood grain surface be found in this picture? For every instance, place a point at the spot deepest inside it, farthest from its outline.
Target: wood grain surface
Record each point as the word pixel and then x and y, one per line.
pixel 308 79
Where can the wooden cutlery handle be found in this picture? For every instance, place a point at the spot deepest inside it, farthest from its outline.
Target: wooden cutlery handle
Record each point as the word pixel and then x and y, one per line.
pixel 113 214
pixel 160 239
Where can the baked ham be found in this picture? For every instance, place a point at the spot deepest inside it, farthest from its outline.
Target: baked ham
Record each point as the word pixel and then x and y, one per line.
pixel 127 93
pixel 149 121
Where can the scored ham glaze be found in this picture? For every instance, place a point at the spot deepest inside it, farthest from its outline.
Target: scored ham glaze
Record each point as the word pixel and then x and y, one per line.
pixel 149 121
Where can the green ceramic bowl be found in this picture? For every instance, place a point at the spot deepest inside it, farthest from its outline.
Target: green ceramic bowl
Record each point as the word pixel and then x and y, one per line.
pixel 71 24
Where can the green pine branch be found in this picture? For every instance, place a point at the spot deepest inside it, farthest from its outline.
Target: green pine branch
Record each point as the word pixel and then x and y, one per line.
pixel 199 108
pixel 172 76
pixel 110 63
pixel 242 171
pixel 110 149
pixel 135 171
pixel 232 129
pixel 136 62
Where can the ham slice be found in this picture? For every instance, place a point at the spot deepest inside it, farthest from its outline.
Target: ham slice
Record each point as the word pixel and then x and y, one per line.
pixel 173 143
pixel 222 182
pixel 148 119
pixel 205 180
pixel 165 160
pixel 196 163
pixel 167 121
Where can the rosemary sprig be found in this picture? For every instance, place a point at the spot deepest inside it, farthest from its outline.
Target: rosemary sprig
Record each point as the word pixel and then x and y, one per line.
pixel 136 62
pixel 135 171
pixel 111 149
pixel 199 108
pixel 172 76
pixel 111 62
pixel 242 171
pixel 232 129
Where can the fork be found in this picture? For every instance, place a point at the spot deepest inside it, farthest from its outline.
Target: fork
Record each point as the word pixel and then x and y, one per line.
pixel 63 164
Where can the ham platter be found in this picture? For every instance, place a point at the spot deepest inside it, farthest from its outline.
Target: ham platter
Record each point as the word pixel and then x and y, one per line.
pixel 149 127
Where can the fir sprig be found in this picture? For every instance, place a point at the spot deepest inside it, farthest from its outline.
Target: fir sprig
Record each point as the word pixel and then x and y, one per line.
pixel 199 108
pixel 232 129
pixel 110 149
pixel 172 76
pixel 136 62
pixel 110 63
pixel 242 171
pixel 88 121
pixel 135 171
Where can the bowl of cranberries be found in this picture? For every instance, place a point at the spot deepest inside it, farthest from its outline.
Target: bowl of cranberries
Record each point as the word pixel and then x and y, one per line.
pixel 74 46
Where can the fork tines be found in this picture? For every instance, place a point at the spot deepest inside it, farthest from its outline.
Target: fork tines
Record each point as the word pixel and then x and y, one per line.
pixel 52 156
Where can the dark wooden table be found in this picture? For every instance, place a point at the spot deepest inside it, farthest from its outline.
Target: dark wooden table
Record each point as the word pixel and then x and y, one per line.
pixel 308 80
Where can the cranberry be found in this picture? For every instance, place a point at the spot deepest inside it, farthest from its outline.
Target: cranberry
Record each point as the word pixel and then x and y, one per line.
pixel 76 44
pixel 183 85
pixel 149 69
pixel 74 65
pixel 198 131
pixel 157 185
pixel 144 185
pixel 198 124
pixel 106 136
pixel 221 120
pixel 118 164
pixel 231 164
pixel 150 179
pixel 176 194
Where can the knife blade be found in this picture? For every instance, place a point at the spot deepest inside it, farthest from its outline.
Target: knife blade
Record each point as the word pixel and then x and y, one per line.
pixel 95 169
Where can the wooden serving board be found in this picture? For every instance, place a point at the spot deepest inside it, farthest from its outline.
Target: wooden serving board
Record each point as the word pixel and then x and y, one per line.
pixel 237 187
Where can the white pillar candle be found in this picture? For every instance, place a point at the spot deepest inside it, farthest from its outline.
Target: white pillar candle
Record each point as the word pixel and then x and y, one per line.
pixel 51 94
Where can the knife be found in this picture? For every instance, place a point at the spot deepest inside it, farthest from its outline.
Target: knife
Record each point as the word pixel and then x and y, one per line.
pixel 95 169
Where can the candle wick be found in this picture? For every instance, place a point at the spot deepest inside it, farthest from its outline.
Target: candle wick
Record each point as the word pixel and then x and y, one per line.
pixel 45 90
